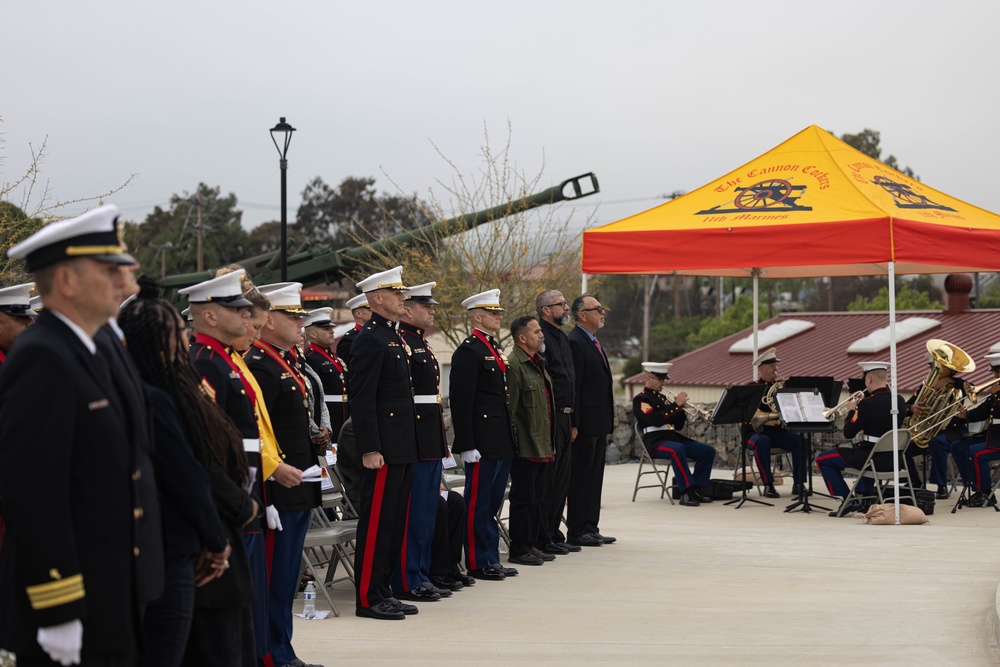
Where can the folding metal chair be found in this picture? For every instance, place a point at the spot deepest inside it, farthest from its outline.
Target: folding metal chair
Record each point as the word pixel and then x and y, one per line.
pixel 882 478
pixel 661 470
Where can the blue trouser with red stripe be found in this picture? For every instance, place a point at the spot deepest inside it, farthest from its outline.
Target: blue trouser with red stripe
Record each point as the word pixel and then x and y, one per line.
pixel 414 563
pixel 679 452
pixel 960 452
pixel 761 444
pixel 257 557
pixel 831 465
pixel 981 457
pixel 485 484
pixel 286 563
pixel 384 493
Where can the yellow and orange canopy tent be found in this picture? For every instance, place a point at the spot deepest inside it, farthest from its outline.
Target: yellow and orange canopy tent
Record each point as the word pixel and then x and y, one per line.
pixel 812 206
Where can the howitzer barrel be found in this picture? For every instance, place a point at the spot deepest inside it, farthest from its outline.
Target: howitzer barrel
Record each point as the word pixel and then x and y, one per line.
pixel 312 264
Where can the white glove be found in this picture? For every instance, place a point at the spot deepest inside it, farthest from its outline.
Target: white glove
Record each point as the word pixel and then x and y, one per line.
pixel 471 456
pixel 273 520
pixel 62 642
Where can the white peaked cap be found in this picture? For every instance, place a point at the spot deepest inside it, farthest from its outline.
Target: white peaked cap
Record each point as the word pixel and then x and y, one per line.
pixel 318 318
pixel 286 297
pixel 391 279
pixel 488 300
pixel 225 290
pixel 359 301
pixel 16 300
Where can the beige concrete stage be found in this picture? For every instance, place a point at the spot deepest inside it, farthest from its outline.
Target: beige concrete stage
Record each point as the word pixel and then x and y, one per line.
pixel 710 585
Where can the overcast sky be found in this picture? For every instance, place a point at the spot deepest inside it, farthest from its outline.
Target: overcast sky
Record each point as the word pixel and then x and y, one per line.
pixel 653 97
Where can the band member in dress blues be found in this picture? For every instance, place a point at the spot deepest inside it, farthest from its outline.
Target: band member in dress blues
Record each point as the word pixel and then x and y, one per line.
pixel 774 435
pixel 384 420
pixel 871 418
pixel 985 447
pixel 331 369
pixel 483 435
pixel 661 421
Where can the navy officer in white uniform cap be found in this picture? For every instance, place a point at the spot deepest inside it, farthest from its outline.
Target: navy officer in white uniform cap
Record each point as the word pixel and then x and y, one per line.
pixel 661 421
pixel 73 571
pixel 480 413
pixel 384 420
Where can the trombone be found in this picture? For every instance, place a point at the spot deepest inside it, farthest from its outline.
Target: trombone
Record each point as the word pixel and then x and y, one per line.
pixel 692 411
pixel 841 409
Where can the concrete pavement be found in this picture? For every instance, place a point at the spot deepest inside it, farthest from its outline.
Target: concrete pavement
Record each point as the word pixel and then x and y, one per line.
pixel 710 585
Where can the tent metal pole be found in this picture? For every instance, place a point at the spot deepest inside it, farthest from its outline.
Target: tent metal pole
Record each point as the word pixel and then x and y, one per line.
pixel 894 395
pixel 756 323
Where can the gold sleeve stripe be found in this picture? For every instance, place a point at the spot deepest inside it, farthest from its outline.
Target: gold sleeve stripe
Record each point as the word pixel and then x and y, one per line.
pixel 54 593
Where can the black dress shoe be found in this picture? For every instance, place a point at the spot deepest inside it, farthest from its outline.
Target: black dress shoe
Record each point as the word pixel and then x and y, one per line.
pixel 507 571
pixel 942 493
pixel 445 582
pixel 847 508
pixel 407 609
pixel 444 592
pixel 463 579
pixel 687 501
pixel 571 548
pixel 699 496
pixel 535 551
pixel 606 539
pixel 527 558
pixel 799 489
pixel 585 540
pixel 383 611
pixel 770 491
pixel 556 549
pixel 419 594
pixel 489 573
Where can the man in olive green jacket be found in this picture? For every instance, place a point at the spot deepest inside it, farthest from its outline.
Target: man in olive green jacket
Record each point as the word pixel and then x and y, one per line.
pixel 530 389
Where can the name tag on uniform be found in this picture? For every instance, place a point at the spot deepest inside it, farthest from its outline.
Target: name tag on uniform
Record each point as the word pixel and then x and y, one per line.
pixel 97 405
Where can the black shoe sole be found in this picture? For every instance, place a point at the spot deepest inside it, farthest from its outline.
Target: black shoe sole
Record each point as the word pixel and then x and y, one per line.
pixel 377 615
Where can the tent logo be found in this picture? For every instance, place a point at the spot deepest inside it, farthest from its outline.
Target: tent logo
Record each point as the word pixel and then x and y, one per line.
pixel 775 194
pixel 904 196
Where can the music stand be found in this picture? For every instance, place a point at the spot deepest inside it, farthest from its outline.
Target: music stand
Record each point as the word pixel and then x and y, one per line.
pixel 824 384
pixel 855 384
pixel 737 405
pixel 805 429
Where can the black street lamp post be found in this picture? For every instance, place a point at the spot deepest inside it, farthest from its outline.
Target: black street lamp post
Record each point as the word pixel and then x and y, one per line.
pixel 283 128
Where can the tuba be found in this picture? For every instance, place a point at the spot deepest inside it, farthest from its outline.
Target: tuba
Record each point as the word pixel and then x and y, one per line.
pixel 942 403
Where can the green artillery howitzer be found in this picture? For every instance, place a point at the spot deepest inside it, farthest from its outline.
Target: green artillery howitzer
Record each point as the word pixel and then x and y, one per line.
pixel 317 263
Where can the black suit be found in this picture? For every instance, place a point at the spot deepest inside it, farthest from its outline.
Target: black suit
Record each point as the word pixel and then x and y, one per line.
pixel 558 357
pixel 594 417
pixel 70 498
pixel 381 402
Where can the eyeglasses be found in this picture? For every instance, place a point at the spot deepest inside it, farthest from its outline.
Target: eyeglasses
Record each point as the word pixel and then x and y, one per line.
pixel 561 304
pixel 599 309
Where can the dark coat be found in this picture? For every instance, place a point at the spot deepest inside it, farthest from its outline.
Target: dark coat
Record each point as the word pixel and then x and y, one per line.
pixel 345 343
pixel 70 496
pixel 479 402
pixel 380 394
pixel 558 357
pixel 595 413
pixel 425 377
pixel 873 418
pixel 530 405
pixel 284 395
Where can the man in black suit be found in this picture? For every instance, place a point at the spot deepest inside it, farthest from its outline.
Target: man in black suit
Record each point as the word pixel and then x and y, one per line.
pixel 72 581
pixel 284 391
pixel 553 314
pixel 480 413
pixel 381 402
pixel 593 421
pixel 361 312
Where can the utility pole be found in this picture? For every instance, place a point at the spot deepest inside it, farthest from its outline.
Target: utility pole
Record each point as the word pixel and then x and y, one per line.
pixel 201 254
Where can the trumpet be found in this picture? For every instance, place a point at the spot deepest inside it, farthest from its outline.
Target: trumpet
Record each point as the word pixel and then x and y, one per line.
pixel 690 409
pixel 840 409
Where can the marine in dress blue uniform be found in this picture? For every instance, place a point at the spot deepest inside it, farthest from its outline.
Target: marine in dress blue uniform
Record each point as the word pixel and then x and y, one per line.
pixel 384 421
pixel 331 369
pixel 361 312
pixel 661 422
pixel 871 419
pixel 483 435
pixel 774 435
pixel 411 579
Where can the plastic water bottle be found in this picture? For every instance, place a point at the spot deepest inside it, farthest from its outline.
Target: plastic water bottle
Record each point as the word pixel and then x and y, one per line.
pixel 309 604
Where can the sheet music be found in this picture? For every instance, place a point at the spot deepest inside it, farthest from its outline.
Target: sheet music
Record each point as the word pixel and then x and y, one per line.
pixel 813 407
pixel 788 406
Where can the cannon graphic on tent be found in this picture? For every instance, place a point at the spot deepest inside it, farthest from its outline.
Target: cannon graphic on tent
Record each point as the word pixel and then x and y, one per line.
pixel 904 196
pixel 773 194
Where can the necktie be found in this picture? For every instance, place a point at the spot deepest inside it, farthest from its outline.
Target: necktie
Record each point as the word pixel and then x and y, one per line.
pixel 600 349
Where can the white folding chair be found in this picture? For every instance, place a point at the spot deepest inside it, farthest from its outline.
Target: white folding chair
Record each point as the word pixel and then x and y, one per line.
pixel 882 478
pixel 661 470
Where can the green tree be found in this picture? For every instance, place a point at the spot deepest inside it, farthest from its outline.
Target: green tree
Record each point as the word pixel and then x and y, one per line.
pixel 737 317
pixel 336 216
pixel 867 141
pixel 168 238
pixel 907 298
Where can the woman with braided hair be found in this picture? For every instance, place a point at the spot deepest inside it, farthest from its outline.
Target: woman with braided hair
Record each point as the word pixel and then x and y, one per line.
pixel 203 616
